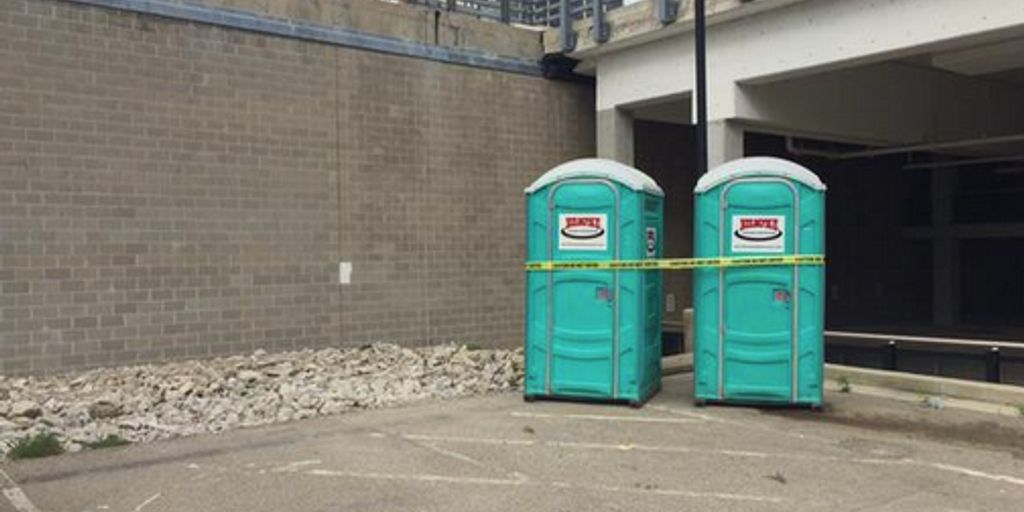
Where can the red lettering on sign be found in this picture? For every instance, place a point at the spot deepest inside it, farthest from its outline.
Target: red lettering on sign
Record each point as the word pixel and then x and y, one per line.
pixel 591 222
pixel 747 223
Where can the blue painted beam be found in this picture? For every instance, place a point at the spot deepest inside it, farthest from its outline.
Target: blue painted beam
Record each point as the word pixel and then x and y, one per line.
pixel 251 22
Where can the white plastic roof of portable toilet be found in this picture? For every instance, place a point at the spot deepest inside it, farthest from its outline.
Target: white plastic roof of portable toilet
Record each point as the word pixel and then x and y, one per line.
pixel 758 166
pixel 598 168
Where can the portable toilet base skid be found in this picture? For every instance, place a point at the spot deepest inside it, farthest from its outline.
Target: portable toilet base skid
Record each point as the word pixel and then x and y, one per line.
pixel 759 330
pixel 593 334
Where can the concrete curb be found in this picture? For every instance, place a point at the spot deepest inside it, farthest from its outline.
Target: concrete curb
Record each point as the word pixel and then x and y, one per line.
pixel 928 385
pixel 679 363
pixel 832 387
pixel 907 382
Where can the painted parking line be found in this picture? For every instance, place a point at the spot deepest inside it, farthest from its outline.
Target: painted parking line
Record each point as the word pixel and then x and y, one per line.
pixel 627 447
pixel 19 501
pixel 472 440
pixel 975 473
pixel 418 477
pixel 602 417
pixel 747 425
pixel 15 495
pixel 294 467
pixel 520 482
pixel 146 503
pixel 675 493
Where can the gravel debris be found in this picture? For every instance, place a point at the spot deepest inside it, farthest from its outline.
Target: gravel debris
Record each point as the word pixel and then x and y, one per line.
pixel 151 402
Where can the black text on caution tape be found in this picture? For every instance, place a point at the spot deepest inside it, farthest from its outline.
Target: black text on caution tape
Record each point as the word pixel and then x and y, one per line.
pixel 678 263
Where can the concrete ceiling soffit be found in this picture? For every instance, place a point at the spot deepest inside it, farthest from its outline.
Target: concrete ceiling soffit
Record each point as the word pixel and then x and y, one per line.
pixel 983 60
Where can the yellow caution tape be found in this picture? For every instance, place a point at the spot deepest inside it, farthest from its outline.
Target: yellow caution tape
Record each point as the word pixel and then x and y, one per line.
pixel 678 263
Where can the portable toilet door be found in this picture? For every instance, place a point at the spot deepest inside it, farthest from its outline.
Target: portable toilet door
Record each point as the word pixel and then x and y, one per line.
pixel 595 333
pixel 759 330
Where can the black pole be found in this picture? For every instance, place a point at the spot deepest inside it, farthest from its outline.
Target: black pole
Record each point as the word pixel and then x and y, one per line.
pixel 992 366
pixel 892 356
pixel 505 9
pixel 700 55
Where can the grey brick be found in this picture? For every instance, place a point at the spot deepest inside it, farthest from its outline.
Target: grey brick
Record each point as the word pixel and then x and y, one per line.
pixel 231 199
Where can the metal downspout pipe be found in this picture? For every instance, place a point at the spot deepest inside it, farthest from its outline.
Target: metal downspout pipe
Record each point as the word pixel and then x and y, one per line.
pixel 505 9
pixel 566 35
pixel 600 30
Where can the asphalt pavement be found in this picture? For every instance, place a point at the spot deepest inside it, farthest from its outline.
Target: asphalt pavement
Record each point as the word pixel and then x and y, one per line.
pixel 498 453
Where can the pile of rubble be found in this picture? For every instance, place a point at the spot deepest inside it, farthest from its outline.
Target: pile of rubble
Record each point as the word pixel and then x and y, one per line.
pixel 145 403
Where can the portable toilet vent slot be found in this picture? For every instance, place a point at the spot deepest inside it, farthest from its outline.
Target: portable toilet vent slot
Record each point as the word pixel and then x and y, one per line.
pixel 759 330
pixel 593 334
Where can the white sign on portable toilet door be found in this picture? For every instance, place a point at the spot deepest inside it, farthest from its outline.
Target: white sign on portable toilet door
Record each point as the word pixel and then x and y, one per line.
pixel 582 231
pixel 759 233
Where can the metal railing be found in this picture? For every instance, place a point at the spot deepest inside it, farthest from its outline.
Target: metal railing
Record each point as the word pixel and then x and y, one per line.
pixel 528 12
pixel 891 345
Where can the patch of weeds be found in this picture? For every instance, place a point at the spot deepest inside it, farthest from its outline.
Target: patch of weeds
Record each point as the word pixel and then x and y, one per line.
pixel 844 384
pixel 473 347
pixel 44 444
pixel 111 441
pixel 1020 410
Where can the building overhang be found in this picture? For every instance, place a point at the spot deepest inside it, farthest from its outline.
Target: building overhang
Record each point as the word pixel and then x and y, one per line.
pixel 638 24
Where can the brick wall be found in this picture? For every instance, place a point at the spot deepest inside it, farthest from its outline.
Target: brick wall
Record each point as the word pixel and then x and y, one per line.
pixel 171 190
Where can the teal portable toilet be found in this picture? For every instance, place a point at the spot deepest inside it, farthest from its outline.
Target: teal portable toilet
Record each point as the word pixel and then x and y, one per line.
pixel 759 330
pixel 593 334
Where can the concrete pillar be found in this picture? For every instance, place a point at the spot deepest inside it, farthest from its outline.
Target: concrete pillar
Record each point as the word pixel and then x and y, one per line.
pixel 725 142
pixel 945 251
pixel 615 135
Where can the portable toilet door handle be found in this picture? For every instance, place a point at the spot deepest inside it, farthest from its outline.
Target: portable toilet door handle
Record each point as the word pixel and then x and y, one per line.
pixel 783 296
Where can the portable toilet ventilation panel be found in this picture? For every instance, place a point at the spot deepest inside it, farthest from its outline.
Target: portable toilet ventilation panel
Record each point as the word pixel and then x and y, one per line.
pixel 593 334
pixel 759 330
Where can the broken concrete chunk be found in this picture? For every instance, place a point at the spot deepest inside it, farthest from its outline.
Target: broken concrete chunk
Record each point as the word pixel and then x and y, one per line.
pixel 104 408
pixel 150 402
pixel 25 409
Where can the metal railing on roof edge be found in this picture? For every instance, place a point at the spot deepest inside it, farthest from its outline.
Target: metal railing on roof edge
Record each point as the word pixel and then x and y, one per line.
pixel 527 12
pixel 891 344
